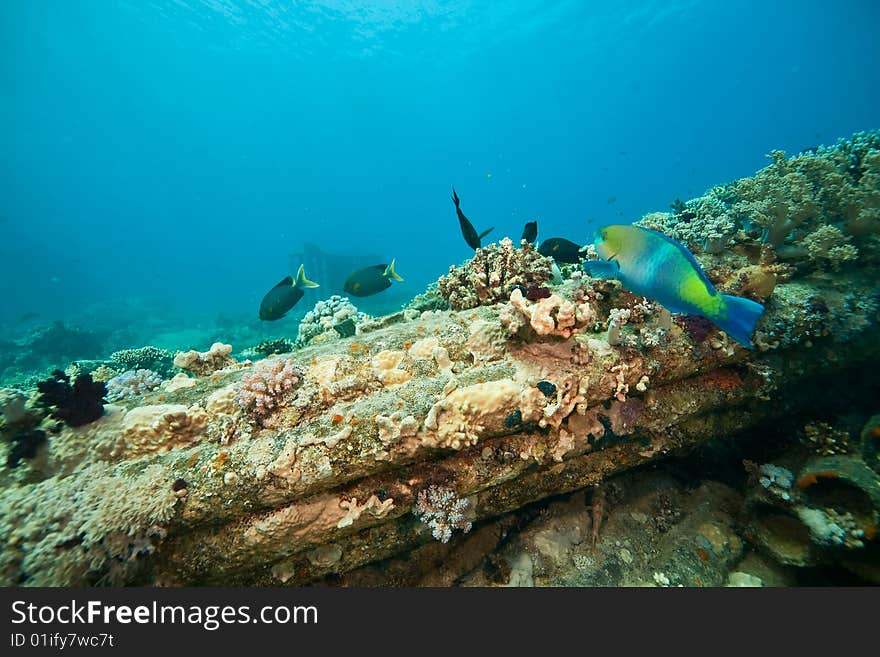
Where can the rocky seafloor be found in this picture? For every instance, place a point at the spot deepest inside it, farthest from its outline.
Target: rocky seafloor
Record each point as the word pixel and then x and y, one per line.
pixel 515 425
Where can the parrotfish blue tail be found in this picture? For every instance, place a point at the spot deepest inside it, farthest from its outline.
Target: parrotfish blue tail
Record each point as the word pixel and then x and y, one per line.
pixel 742 316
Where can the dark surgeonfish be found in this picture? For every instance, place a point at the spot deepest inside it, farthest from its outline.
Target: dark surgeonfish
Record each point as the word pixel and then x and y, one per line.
pixel 371 280
pixel 530 232
pixel 284 296
pixel 467 228
pixel 561 250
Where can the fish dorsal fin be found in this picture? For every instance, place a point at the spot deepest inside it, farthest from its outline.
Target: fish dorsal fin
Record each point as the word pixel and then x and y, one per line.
pixel 302 281
pixel 287 281
pixel 485 232
pixel 687 254
pixel 390 273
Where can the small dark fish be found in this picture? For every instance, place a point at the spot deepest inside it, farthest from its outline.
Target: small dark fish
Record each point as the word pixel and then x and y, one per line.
pixel 611 199
pixel 561 250
pixel 467 228
pixel 536 292
pixel 530 232
pixel 371 280
pixel 27 317
pixel 284 296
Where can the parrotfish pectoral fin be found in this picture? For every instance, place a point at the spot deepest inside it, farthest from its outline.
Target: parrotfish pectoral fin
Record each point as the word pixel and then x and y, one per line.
pixel 302 281
pixel 390 273
pixel 742 317
pixel 485 232
pixel 602 268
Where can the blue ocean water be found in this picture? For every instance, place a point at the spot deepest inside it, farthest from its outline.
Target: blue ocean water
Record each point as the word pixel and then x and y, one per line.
pixel 163 160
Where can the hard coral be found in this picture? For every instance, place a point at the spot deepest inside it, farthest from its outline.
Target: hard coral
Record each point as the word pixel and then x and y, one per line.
pixel 202 363
pixel 79 404
pixel 327 314
pixel 553 315
pixel 492 273
pixel 263 389
pixel 132 383
pixel 149 358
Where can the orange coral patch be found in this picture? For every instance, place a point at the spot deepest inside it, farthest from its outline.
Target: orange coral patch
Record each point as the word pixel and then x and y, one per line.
pixel 702 554
pixel 723 379
pixel 220 461
pixel 809 479
pixel 193 459
pixel 337 418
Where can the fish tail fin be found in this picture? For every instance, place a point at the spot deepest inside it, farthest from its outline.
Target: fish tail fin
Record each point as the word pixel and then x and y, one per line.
pixel 741 318
pixel 390 273
pixel 301 280
pixel 485 232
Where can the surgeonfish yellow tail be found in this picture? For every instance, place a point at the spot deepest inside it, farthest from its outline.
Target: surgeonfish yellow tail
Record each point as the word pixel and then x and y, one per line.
pixel 302 281
pixel 390 273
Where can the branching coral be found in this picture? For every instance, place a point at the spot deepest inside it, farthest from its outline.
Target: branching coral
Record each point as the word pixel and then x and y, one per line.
pixel 149 358
pixel 265 387
pixel 324 317
pixel 705 222
pixel 827 246
pixel 132 383
pixel 443 511
pixel 493 272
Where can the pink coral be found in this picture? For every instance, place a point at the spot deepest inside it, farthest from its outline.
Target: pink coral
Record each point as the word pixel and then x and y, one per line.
pixel 265 387
pixel 553 315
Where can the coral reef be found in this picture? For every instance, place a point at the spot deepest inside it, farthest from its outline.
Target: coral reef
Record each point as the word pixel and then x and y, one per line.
pixel 132 383
pixel 492 274
pixel 522 414
pixel 203 363
pixel 327 321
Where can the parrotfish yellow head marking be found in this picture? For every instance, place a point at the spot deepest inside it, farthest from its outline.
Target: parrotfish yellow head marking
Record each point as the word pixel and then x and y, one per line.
pixel 614 241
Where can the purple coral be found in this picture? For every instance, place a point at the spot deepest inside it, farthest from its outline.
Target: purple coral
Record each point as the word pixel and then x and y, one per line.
pixel 132 383
pixel 442 510
pixel 265 387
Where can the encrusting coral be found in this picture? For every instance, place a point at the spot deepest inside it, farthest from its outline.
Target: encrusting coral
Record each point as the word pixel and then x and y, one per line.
pixel 132 383
pixel 203 363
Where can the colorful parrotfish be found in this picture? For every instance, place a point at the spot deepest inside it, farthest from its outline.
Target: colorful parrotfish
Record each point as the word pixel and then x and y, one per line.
pixel 656 266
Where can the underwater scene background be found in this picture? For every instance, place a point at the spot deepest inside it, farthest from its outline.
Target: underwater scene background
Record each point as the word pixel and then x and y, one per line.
pixel 273 313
